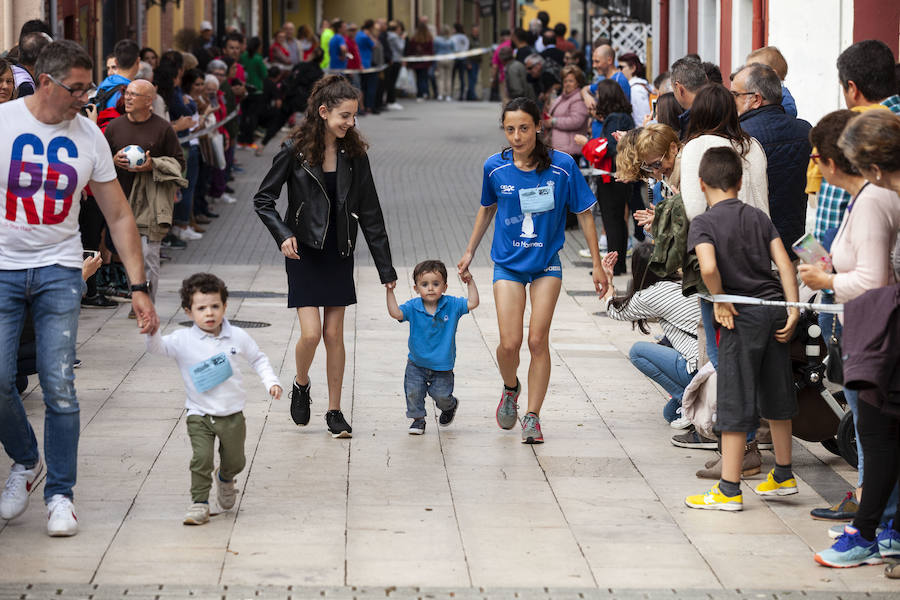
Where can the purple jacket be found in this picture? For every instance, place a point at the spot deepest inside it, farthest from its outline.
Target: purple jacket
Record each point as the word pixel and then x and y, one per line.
pixel 571 117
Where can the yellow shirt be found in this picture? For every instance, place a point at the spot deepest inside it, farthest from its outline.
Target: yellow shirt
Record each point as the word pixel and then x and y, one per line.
pixel 813 174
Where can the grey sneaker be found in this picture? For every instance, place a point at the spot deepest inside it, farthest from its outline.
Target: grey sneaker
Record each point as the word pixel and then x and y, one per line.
pixel 197 514
pixel 531 429
pixel 226 493
pixel 508 409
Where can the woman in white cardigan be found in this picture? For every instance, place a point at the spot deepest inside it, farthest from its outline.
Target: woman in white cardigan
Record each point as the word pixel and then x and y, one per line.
pixel 714 122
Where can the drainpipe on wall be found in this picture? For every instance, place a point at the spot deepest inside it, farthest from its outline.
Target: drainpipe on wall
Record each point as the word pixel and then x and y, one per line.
pixel 663 36
pixel 8 30
pixel 759 24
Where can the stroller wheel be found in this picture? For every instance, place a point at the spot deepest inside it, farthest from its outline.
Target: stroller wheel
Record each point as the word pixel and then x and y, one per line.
pixel 832 446
pixel 846 440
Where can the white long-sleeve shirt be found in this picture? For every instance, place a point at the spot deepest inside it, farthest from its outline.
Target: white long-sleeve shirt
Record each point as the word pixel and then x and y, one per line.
pixel 190 347
pixel 754 181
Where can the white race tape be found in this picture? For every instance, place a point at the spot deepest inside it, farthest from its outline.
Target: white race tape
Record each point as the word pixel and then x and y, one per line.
pixel 411 59
pixel 827 308
pixel 209 129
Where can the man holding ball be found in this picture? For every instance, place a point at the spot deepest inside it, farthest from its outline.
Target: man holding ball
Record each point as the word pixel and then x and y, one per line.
pixel 151 201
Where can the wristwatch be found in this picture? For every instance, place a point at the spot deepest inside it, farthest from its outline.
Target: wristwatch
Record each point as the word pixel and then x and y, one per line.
pixel 141 287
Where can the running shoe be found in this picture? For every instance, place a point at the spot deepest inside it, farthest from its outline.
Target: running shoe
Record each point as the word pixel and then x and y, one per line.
pixel 715 500
pixel 850 550
pixel 770 487
pixel 508 409
pixel 61 519
pixel 889 541
pixel 337 425
pixel 531 429
pixel 197 514
pixel 19 484
pixel 300 402
pixel 226 493
pixel 447 415
pixel 417 427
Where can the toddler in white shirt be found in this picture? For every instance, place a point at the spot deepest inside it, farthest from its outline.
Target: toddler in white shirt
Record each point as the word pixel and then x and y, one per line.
pixel 215 398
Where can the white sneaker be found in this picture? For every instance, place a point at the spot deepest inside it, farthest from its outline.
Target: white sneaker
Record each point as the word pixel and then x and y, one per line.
pixel 227 198
pixel 14 499
pixel 680 423
pixel 186 234
pixel 197 514
pixel 394 106
pixel 226 493
pixel 584 253
pixel 61 519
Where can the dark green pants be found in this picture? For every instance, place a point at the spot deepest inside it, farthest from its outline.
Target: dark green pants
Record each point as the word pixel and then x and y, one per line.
pixel 203 431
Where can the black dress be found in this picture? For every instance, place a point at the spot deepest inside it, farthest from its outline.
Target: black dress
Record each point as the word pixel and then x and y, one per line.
pixel 322 277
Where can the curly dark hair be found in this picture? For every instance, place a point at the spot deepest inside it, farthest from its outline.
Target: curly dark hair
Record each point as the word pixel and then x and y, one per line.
pixel 205 283
pixel 610 99
pixel 309 137
pixel 541 152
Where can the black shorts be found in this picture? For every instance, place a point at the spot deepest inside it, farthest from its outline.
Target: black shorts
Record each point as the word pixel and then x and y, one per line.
pixel 754 377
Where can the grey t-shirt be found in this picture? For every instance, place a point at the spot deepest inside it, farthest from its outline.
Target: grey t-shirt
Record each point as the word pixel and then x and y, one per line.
pixel 741 235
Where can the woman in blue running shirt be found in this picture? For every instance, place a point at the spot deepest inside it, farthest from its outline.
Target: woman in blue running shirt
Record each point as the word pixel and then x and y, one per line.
pixel 529 187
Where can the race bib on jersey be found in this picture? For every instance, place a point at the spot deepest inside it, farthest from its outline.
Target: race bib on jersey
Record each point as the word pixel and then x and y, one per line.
pixel 537 199
pixel 211 372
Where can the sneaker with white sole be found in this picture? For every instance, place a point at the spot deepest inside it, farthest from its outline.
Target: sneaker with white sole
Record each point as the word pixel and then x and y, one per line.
pixel 227 198
pixel 508 410
pixel 14 499
pixel 197 514
pixel 850 550
pixel 394 106
pixel 680 423
pixel 226 493
pixel 417 427
pixel 61 519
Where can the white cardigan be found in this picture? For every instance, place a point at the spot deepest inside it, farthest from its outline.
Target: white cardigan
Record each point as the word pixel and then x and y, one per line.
pixel 754 183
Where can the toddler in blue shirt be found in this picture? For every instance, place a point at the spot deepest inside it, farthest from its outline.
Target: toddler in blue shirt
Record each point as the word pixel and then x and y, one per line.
pixel 433 318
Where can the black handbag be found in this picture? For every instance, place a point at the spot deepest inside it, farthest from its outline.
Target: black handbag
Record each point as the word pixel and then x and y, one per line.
pixel 835 369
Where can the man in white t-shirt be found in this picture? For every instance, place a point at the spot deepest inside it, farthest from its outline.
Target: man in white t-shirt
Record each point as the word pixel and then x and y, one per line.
pixel 49 154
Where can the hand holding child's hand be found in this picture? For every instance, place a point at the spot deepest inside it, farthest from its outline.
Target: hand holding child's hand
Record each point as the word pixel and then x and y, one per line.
pixel 275 392
pixel 465 276
pixel 725 312
pixel 609 263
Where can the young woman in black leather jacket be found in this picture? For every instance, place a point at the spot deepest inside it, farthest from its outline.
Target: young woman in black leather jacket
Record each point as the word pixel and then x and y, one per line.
pixel 331 194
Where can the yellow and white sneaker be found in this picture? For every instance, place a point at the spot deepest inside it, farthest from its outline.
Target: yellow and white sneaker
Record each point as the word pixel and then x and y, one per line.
pixel 770 487
pixel 716 500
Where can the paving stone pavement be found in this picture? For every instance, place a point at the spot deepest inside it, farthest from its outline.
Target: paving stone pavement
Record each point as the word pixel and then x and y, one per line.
pixel 463 512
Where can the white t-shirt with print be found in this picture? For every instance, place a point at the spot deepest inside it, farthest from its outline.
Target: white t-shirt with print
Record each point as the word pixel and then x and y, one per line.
pixel 43 169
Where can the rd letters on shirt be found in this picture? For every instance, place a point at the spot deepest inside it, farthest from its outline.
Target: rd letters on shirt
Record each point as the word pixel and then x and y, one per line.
pixel 27 178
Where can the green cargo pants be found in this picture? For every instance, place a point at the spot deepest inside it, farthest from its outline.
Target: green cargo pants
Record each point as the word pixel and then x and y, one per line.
pixel 203 431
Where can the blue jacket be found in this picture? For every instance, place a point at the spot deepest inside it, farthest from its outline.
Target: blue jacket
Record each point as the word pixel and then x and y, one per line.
pixel 109 83
pixel 785 141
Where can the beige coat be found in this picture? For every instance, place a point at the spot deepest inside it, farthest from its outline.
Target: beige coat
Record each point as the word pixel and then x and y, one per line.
pixel 153 197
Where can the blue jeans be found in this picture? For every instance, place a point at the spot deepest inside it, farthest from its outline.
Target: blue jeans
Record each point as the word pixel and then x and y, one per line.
pixel 418 381
pixel 667 367
pixel 709 326
pixel 54 295
pixel 473 81
pixel 826 320
pixel 184 209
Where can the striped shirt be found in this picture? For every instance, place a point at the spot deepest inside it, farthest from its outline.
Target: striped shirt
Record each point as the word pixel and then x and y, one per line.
pixel 678 316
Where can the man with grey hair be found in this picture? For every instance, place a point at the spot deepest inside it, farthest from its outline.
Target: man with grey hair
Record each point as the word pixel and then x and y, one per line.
pixel 59 152
pixel 516 76
pixel 785 139
pixel 543 79
pixel 687 76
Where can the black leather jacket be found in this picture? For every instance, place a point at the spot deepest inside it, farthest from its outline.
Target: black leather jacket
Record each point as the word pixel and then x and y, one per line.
pixel 308 208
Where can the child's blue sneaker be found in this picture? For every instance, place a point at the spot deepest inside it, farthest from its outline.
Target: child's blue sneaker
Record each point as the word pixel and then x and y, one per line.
pixel 850 550
pixel 889 540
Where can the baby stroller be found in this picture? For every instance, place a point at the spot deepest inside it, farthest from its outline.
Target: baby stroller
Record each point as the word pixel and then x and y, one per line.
pixel 822 416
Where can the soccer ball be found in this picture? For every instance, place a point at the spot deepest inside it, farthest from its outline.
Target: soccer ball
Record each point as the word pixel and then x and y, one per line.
pixel 135 155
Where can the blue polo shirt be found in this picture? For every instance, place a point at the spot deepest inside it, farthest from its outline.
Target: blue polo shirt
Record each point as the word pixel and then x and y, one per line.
pixel 432 338
pixel 334 51
pixel 619 78
pixel 528 232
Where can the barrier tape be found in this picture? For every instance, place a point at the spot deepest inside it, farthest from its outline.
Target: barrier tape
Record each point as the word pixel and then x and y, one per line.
pixel 208 129
pixel 826 308
pixel 412 59
pixel 589 172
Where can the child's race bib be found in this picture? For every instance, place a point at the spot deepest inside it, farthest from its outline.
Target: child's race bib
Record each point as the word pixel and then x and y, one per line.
pixel 536 200
pixel 211 372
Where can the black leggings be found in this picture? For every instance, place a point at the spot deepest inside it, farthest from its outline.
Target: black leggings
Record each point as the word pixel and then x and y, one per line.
pixel 612 198
pixel 880 437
